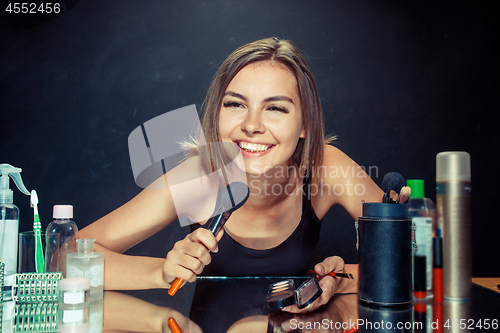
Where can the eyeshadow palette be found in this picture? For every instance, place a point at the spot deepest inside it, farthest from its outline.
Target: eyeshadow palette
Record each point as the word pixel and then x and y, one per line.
pixel 282 294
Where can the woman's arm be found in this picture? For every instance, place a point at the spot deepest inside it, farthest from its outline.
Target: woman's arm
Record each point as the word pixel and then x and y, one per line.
pixel 124 313
pixel 149 212
pixel 343 182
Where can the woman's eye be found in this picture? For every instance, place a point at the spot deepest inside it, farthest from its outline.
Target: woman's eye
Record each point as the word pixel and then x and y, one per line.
pixel 232 105
pixel 278 109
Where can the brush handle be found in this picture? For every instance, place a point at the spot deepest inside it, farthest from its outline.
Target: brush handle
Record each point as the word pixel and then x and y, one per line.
pixel 172 324
pixel 337 274
pixel 175 286
pixel 39 262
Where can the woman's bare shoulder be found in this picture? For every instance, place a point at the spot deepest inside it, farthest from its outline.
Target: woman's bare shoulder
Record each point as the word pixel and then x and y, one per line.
pixel 333 156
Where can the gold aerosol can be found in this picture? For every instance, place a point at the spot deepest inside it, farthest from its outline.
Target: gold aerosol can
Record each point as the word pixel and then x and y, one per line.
pixel 453 201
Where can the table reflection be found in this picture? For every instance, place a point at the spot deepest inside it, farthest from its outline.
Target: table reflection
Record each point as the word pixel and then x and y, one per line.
pixel 238 305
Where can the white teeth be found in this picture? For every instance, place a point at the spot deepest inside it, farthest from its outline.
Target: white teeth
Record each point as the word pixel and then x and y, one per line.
pixel 253 147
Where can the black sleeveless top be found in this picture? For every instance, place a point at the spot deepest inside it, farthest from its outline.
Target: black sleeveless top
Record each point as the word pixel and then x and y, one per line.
pixel 290 258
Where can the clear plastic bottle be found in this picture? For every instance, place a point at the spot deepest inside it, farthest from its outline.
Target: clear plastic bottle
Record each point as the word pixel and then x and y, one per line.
pixel 9 223
pixel 423 213
pixel 57 248
pixel 87 263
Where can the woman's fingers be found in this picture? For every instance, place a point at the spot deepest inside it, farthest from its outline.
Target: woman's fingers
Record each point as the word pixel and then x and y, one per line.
pixel 189 256
pixel 330 264
pixel 329 285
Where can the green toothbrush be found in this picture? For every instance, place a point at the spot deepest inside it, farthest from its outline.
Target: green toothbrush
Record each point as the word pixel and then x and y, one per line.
pixel 37 230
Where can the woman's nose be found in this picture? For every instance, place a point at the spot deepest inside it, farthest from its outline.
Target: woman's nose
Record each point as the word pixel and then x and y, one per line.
pixel 253 124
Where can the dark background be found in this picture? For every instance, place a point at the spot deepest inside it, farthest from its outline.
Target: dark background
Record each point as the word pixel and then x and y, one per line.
pixel 400 82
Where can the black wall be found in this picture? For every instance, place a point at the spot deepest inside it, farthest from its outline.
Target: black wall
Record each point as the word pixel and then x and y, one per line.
pixel 400 82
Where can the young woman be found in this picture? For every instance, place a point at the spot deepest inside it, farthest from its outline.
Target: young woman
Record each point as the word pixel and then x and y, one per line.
pixel 264 101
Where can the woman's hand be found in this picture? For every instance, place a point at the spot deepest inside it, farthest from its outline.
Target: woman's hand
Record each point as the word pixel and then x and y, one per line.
pixel 189 256
pixel 330 285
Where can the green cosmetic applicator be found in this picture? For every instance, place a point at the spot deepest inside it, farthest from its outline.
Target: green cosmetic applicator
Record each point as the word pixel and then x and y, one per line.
pixel 37 230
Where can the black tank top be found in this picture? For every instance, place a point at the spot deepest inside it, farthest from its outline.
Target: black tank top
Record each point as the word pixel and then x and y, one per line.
pixel 290 258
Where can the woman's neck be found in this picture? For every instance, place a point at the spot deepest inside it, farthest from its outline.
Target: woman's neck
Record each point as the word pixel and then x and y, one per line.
pixel 273 187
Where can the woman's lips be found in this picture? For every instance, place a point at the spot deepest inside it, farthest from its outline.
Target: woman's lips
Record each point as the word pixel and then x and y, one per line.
pixel 250 149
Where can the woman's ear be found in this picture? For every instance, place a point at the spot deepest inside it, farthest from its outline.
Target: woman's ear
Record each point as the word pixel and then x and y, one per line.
pixel 303 133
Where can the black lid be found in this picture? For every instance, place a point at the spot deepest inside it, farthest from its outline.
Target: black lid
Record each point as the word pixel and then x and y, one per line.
pixel 437 252
pixel 378 209
pixel 419 274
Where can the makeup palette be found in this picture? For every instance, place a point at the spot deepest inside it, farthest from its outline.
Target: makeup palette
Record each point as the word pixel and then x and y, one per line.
pixel 282 294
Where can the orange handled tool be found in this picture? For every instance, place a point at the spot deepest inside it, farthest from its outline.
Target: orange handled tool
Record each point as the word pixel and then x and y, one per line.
pixel 338 274
pixel 175 286
pixel 172 324
pixel 234 196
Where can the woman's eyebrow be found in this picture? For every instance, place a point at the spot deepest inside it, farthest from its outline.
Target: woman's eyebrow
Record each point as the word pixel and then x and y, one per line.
pixel 269 99
pixel 278 98
pixel 232 93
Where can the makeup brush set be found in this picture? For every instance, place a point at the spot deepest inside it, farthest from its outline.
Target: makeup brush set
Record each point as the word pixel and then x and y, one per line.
pixel 385 242
pixel 395 191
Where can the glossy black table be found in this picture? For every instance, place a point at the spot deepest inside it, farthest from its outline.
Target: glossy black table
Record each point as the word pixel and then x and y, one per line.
pixel 239 305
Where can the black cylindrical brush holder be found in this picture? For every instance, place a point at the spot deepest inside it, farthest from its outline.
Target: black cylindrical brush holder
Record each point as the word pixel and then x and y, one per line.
pixel 384 255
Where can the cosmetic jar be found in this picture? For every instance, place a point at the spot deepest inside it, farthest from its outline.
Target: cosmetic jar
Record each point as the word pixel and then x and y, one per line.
pixel 74 290
pixel 74 305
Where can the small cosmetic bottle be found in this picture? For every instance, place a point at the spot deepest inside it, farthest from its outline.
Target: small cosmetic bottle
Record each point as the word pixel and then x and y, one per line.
pixel 74 305
pixel 57 248
pixel 87 263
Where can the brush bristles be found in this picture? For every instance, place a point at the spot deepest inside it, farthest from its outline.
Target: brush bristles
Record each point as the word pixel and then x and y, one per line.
pixel 404 195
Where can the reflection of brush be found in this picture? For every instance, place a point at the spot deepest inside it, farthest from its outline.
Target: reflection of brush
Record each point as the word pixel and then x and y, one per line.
pixel 172 324
pixel 37 230
pixel 338 274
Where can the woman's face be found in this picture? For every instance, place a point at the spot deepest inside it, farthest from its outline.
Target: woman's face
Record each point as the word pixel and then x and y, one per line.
pixel 261 114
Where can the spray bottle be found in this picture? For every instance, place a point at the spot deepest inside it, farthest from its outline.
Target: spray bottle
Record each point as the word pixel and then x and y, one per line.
pixel 9 228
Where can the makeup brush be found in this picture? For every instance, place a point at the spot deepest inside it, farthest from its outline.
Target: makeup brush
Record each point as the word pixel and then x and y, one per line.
pixel 172 324
pixel 394 196
pixel 233 197
pixel 404 195
pixel 391 181
pixel 338 274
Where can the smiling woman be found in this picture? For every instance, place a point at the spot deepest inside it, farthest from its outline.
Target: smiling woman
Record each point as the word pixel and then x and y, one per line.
pixel 263 101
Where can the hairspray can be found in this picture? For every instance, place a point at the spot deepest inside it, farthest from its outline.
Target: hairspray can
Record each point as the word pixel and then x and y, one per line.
pixel 454 220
